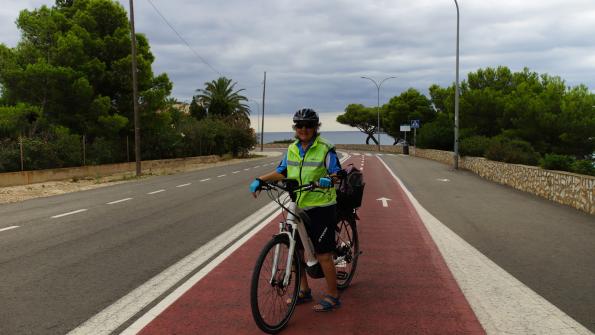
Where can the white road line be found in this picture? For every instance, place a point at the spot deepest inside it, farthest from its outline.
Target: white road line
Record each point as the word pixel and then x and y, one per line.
pixel 257 166
pixel 184 185
pixel 223 175
pixel 158 191
pixel 502 304
pixel 69 213
pixel 246 169
pixel 236 172
pixel 118 201
pixel 356 154
pixel 369 154
pixel 112 317
pixel 206 179
pixel 9 228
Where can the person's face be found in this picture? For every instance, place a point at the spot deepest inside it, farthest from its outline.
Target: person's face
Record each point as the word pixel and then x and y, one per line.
pixel 305 130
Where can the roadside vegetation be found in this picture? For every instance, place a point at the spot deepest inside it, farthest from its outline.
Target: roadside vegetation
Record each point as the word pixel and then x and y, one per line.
pixel 517 117
pixel 66 96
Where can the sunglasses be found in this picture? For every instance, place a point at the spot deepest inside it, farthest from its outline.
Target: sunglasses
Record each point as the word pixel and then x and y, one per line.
pixel 309 125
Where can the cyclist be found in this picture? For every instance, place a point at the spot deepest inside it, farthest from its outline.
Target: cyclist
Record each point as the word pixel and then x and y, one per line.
pixel 312 158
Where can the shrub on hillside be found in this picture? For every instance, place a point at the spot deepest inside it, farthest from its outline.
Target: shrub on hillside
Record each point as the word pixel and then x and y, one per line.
pixel 511 151
pixel 585 167
pixel 474 146
pixel 557 162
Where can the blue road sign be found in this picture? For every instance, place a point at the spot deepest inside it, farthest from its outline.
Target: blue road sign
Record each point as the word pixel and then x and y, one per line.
pixel 414 124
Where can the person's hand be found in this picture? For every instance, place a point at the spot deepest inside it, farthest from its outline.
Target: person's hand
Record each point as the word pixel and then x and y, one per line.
pixel 255 187
pixel 325 182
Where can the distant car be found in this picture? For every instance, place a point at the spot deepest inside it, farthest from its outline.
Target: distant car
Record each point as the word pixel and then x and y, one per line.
pixel 401 142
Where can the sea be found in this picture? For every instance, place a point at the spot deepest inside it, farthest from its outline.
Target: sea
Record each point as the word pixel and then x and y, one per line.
pixel 335 137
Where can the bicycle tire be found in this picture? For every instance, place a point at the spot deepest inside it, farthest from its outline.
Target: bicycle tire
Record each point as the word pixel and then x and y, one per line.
pixel 261 276
pixel 347 246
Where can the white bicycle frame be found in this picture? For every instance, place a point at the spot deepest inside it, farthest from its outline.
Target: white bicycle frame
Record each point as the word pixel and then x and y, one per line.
pixel 296 223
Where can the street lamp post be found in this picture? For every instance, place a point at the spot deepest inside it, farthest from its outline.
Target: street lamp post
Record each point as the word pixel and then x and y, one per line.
pixel 378 90
pixel 456 148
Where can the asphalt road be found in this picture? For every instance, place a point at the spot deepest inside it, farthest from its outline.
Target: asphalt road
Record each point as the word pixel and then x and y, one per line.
pixel 56 273
pixel 547 246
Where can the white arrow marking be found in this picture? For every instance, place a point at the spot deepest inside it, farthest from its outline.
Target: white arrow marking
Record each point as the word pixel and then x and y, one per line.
pixel 444 180
pixel 384 201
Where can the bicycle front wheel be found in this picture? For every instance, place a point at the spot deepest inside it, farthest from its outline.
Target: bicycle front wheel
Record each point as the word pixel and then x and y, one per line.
pixel 271 300
pixel 346 252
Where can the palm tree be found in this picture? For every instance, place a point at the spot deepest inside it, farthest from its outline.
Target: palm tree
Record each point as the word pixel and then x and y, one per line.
pixel 220 99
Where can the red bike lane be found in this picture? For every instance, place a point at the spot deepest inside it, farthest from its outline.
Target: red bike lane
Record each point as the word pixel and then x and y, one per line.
pixel 402 284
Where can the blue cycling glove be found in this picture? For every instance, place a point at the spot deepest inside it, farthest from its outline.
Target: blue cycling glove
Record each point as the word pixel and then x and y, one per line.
pixel 325 182
pixel 255 185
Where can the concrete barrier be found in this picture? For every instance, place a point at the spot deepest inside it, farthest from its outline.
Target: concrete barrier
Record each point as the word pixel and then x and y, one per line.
pixel 153 166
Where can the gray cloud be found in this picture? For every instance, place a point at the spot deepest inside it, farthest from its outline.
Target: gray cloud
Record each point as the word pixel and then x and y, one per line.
pixel 315 51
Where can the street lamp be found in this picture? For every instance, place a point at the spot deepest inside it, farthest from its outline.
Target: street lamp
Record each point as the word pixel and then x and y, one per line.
pixel 456 148
pixel 378 89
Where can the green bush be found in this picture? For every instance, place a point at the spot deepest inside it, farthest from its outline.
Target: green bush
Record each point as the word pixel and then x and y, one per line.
pixel 104 151
pixel 10 156
pixel 557 162
pixel 438 134
pixel 511 151
pixel 585 167
pixel 474 146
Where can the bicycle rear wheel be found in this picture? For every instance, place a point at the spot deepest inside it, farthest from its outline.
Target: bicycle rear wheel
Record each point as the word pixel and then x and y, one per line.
pixel 268 294
pixel 346 252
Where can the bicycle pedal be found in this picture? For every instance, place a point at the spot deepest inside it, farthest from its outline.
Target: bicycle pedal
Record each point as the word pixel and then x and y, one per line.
pixel 341 275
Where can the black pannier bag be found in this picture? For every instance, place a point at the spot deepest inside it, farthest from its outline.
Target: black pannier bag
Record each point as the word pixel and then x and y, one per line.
pixel 350 190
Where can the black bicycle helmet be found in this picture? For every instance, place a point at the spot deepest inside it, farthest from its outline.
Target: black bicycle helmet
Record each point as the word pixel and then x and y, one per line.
pixel 305 114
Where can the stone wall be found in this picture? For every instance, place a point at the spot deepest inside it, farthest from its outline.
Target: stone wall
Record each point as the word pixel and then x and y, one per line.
pixel 566 188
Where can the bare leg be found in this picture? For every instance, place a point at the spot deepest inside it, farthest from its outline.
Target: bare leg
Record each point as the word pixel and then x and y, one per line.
pixel 330 275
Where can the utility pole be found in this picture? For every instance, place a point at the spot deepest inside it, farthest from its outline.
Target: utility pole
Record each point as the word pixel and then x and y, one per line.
pixel 135 92
pixel 456 148
pixel 264 88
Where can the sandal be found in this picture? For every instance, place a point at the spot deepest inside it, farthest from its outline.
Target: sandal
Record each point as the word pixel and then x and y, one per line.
pixel 328 303
pixel 302 297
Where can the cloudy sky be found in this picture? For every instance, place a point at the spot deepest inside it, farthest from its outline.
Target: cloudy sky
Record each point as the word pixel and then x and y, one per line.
pixel 315 51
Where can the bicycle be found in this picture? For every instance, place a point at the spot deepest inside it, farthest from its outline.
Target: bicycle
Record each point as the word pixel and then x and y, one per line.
pixel 277 273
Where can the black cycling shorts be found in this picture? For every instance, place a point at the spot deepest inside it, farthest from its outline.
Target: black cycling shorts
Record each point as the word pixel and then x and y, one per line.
pixel 321 229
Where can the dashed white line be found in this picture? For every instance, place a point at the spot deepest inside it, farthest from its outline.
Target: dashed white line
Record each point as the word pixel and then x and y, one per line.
pixel 236 172
pixel 9 228
pixel 206 179
pixel 223 175
pixel 184 185
pixel 257 166
pixel 158 191
pixel 117 201
pixel 246 169
pixel 69 213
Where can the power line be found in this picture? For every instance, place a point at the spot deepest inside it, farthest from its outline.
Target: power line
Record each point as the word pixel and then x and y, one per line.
pixel 183 40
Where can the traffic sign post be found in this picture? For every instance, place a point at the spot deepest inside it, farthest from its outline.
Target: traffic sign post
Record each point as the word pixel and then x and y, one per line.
pixel 414 124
